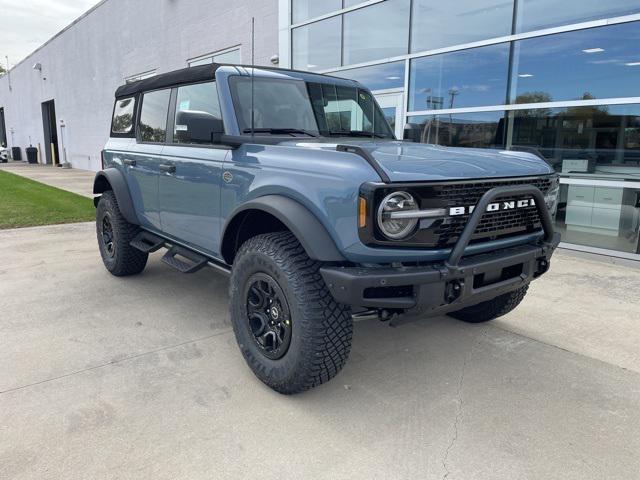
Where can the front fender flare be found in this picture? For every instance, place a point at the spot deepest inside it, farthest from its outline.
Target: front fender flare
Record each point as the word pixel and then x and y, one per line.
pixel 113 179
pixel 311 234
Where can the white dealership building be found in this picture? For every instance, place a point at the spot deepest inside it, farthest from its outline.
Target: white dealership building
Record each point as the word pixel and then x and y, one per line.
pixel 558 79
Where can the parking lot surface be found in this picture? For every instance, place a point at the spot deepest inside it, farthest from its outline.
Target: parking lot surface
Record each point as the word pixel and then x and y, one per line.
pixel 102 377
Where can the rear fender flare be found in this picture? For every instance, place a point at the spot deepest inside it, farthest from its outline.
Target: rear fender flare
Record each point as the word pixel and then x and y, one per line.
pixel 113 179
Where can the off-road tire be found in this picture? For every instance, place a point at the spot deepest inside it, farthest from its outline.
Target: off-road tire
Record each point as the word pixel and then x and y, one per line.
pixel 321 330
pixel 489 310
pixel 125 259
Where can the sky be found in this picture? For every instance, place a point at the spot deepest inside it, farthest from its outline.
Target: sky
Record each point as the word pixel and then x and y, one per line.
pixel 27 24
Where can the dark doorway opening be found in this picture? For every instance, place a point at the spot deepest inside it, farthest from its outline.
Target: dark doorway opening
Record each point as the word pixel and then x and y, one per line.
pixel 50 133
pixel 3 130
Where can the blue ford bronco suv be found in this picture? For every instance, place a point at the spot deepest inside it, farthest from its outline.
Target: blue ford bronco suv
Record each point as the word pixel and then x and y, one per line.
pixel 294 184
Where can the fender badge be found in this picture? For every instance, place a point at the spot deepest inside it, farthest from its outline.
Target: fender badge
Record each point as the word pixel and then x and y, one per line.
pixel 227 177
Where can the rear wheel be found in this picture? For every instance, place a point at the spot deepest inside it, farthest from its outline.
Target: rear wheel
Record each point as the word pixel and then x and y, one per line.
pixel 291 332
pixel 114 237
pixel 489 310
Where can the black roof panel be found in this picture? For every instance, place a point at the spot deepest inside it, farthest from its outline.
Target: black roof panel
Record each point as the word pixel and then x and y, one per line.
pixel 200 73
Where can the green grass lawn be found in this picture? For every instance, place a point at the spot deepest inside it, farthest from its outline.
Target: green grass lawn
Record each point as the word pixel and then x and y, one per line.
pixel 25 203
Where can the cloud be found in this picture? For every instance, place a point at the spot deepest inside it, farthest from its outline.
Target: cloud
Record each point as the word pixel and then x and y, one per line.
pixel 27 24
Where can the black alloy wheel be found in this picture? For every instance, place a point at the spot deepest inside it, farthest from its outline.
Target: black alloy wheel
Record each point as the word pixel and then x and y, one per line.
pixel 106 233
pixel 268 316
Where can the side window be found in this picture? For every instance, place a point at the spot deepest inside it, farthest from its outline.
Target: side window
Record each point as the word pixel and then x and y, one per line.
pixel 153 116
pixel 123 112
pixel 198 118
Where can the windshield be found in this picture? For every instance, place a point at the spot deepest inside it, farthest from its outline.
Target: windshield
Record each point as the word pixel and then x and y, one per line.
pixel 298 108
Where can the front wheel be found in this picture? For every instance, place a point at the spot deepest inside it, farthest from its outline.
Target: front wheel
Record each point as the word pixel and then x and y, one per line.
pixel 491 309
pixel 292 333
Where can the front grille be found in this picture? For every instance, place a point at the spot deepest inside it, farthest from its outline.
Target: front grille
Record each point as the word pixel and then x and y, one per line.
pixel 493 224
pixel 472 192
pixel 445 232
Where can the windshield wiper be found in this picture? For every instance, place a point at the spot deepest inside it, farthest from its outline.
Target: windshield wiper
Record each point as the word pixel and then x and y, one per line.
pixel 357 133
pixel 280 131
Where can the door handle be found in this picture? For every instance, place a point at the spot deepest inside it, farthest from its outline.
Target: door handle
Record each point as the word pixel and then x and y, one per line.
pixel 129 162
pixel 167 168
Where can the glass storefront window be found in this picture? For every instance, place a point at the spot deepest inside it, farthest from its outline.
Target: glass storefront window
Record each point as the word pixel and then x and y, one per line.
pixel 376 32
pixel 443 24
pixel 467 78
pixel 317 46
pixel 595 149
pixel 377 77
pixel 302 10
pixel 600 216
pixel 599 62
pixel 539 14
pixel 600 141
pixel 477 130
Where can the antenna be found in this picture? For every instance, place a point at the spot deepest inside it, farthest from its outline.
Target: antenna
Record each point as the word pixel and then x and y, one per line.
pixel 373 114
pixel 253 63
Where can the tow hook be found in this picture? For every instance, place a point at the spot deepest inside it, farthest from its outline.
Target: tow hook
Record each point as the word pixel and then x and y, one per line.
pixel 543 267
pixel 453 290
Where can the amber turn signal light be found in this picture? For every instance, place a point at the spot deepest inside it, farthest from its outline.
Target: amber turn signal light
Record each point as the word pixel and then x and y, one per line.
pixel 362 213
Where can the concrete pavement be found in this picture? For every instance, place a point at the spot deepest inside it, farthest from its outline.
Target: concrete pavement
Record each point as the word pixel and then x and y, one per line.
pixel 103 377
pixel 72 180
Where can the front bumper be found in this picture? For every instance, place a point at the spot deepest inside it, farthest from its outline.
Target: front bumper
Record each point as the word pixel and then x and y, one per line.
pixel 438 289
pixel 459 282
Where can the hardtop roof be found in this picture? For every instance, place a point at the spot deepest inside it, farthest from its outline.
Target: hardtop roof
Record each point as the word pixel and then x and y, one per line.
pixel 200 73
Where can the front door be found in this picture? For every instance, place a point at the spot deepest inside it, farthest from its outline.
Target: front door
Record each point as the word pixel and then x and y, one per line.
pixel 189 194
pixel 392 107
pixel 3 130
pixel 191 170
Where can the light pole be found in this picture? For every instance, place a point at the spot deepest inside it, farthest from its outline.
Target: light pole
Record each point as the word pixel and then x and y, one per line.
pixel 453 93
pixel 8 72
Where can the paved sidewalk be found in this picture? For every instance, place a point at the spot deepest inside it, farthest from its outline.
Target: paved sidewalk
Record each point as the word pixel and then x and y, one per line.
pixel 72 180
pixel 140 377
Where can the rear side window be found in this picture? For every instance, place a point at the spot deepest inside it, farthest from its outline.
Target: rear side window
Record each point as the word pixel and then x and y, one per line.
pixel 153 116
pixel 198 115
pixel 123 116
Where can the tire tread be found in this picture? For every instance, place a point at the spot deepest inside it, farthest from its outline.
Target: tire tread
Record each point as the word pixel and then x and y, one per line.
pixel 129 260
pixel 326 325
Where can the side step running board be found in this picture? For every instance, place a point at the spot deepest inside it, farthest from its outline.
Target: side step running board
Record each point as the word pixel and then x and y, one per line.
pixel 147 242
pixel 180 258
pixel 189 262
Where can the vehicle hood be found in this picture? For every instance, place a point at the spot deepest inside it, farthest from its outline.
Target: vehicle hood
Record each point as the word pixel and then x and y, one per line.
pixel 409 162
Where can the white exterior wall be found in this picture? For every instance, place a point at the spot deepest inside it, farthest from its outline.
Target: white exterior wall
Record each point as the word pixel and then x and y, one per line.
pixel 84 64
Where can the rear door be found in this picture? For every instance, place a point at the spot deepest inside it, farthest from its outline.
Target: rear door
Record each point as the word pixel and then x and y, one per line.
pixel 189 185
pixel 142 163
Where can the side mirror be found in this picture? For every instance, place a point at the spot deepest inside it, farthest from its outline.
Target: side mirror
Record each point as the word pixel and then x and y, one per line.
pixel 198 127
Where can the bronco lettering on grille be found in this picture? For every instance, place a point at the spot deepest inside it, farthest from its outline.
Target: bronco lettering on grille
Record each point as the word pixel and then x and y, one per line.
pixel 493 207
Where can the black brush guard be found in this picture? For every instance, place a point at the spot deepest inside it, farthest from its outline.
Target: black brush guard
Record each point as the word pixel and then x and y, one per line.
pixel 458 282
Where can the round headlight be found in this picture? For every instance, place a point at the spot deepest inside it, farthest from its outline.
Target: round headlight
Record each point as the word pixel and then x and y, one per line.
pixel 393 220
